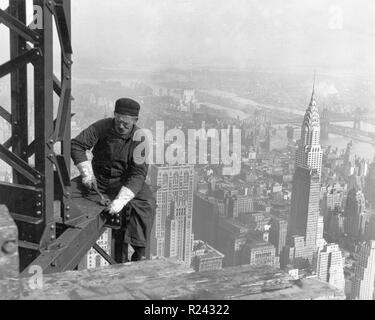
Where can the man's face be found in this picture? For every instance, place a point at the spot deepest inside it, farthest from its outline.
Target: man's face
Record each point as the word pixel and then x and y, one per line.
pixel 124 124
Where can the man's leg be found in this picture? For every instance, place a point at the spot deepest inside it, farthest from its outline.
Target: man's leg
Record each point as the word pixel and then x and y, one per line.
pixel 139 254
pixel 120 247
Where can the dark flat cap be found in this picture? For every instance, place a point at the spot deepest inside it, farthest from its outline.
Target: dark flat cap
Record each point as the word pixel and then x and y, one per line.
pixel 127 107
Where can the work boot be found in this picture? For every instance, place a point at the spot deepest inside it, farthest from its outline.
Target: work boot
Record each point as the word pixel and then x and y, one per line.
pixel 139 254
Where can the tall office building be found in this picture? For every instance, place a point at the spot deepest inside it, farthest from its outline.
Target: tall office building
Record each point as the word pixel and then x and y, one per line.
pixel 206 215
pixel 172 231
pixel 232 236
pixel 332 201
pixel 278 233
pixel 320 242
pixel 370 228
pixel 330 266
pixel 370 185
pixel 304 217
pixel 364 280
pixel 355 206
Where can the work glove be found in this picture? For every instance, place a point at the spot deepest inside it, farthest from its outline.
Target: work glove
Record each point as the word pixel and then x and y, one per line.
pixel 125 195
pixel 87 174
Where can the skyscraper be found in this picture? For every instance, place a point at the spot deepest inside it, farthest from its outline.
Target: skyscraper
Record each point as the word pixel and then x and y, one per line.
pixel 304 217
pixel 172 231
pixel 370 185
pixel 330 266
pixel 278 233
pixel 364 280
pixel 355 206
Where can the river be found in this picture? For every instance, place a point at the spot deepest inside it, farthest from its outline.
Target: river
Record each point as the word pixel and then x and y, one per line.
pixel 362 149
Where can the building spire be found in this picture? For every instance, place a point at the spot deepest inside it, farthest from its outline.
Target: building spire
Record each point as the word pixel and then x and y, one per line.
pixel 313 90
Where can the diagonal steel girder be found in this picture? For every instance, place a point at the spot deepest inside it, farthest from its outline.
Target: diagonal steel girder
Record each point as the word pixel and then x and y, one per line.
pixel 18 27
pixel 18 62
pixel 19 165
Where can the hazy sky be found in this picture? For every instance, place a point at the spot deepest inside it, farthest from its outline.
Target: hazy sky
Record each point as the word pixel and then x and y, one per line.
pixel 288 34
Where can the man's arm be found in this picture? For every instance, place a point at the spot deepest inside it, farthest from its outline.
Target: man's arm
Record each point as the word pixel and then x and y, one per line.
pixel 137 172
pixel 86 140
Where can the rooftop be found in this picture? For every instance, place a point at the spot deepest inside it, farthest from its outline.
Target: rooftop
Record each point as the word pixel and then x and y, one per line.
pixel 209 252
pixel 167 279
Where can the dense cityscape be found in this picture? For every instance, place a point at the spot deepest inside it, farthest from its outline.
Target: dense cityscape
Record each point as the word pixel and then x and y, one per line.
pixel 297 205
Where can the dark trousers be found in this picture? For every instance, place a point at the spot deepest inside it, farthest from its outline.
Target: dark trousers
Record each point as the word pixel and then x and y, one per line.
pixel 121 249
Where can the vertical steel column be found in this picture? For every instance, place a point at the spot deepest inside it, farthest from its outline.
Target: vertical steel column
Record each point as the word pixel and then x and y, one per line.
pixel 19 123
pixel 66 77
pixel 66 72
pixel 43 96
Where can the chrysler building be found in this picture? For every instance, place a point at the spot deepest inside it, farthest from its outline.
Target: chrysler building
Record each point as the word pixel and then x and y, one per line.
pixel 309 154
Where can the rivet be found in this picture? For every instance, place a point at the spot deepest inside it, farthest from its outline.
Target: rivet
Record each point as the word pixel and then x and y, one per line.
pixel 52 227
pixel 53 237
pixel 67 208
pixel 39 213
pixel 68 216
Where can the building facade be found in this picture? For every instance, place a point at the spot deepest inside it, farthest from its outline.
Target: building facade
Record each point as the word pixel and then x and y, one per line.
pixel 172 234
pixel 205 257
pixel 355 206
pixel 304 220
pixel 330 266
pixel 364 280
pixel 278 232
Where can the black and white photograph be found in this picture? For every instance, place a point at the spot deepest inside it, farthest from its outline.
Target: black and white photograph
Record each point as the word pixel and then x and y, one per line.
pixel 205 152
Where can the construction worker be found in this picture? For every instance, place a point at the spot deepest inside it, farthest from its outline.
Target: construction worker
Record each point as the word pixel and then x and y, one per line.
pixel 115 173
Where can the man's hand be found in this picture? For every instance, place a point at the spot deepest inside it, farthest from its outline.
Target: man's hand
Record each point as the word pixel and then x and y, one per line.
pixel 87 174
pixel 125 195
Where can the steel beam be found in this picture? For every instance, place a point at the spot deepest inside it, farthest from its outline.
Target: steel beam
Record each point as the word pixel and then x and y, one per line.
pixel 20 166
pixel 104 254
pixel 19 87
pixel 7 144
pixel 33 207
pixel 5 115
pixel 18 62
pixel 43 97
pixel 20 199
pixel 67 252
pixel 63 129
pixel 16 25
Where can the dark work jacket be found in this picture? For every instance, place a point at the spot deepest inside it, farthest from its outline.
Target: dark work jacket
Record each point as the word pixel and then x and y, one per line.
pixel 113 163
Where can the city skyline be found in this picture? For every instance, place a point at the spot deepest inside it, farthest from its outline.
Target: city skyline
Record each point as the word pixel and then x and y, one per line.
pixel 260 154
